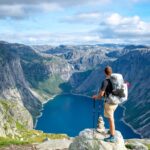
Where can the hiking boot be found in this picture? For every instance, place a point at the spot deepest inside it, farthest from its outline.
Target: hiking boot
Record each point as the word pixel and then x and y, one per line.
pixel 111 139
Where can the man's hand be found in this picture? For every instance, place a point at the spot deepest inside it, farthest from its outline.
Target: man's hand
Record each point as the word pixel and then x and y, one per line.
pixel 94 97
pixel 99 96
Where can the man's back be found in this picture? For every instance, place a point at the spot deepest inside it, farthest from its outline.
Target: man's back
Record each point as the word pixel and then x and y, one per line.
pixel 107 87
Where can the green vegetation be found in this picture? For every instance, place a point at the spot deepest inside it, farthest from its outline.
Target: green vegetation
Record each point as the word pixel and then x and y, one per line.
pixel 41 80
pixel 5 104
pixel 22 135
pixel 148 145
pixel 49 87
pixel 33 136
pixel 29 137
pixel 8 141
pixel 129 146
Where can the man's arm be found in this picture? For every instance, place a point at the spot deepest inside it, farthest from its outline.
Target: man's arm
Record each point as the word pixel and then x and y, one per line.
pixel 102 91
pixel 99 96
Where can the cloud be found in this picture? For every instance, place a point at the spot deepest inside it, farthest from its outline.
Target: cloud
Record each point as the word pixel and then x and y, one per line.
pixel 86 17
pixel 113 28
pixel 18 9
pixel 138 1
pixel 60 2
pixel 23 8
pixel 128 29
pixel 51 38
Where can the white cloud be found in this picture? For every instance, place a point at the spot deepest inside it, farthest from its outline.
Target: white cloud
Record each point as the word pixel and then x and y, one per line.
pixel 60 2
pixel 138 1
pixel 51 38
pixel 116 19
pixel 23 8
pixel 128 29
pixel 113 28
pixel 86 17
pixel 49 7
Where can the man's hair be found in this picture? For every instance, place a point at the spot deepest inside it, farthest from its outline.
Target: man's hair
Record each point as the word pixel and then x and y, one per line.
pixel 108 70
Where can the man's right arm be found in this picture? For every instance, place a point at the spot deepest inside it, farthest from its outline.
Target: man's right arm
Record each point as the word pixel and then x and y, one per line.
pixel 102 91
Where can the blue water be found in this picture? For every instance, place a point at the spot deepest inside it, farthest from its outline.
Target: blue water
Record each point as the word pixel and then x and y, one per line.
pixel 70 114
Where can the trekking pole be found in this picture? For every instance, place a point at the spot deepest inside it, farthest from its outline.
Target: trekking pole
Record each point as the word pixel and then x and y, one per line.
pixel 99 108
pixel 93 117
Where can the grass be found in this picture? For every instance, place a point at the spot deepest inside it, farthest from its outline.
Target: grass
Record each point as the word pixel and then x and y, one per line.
pixel 129 146
pixel 7 141
pixel 29 137
pixel 49 87
pixel 148 145
pixel 33 136
pixel 4 104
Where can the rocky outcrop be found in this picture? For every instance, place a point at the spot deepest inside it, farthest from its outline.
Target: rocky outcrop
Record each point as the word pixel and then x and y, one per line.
pixel 138 144
pixel 13 117
pixel 62 144
pixel 86 141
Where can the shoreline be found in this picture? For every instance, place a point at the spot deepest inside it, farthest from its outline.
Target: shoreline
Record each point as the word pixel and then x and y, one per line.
pixel 43 103
pixel 122 118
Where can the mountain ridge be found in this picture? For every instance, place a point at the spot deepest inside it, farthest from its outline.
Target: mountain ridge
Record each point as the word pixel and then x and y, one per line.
pixel 36 76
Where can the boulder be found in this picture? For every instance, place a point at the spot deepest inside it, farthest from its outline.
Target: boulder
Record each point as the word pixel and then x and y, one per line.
pixel 86 141
pixel 137 144
pixel 58 144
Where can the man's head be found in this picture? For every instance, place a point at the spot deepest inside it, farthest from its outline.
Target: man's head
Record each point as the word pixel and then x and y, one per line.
pixel 108 71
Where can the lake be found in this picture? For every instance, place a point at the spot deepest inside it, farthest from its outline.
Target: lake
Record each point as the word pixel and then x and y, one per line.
pixel 70 114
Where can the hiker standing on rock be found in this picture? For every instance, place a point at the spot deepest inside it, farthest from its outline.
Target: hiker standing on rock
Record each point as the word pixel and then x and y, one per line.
pixel 109 109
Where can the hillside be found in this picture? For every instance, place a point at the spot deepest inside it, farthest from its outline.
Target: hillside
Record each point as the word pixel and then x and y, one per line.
pixel 135 68
pixel 31 75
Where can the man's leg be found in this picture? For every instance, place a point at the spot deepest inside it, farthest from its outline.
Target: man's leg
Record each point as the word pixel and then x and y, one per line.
pixel 112 126
pixel 109 113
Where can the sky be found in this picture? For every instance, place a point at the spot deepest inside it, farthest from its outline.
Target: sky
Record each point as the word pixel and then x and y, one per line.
pixel 75 22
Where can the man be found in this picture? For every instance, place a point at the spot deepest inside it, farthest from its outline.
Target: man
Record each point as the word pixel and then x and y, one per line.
pixel 109 109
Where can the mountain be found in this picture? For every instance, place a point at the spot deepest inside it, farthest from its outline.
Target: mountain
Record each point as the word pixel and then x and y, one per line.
pixel 130 60
pixel 82 57
pixel 27 79
pixel 135 68
pixel 17 104
pixel 30 75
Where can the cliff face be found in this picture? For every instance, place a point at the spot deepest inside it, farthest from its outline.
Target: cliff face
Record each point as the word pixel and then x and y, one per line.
pixel 13 89
pixel 84 57
pixel 134 66
pixel 26 79
pixel 13 115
